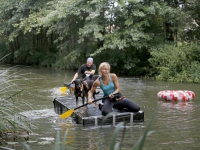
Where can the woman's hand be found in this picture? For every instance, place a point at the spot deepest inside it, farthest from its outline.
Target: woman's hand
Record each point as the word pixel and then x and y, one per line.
pixel 111 95
pixel 90 101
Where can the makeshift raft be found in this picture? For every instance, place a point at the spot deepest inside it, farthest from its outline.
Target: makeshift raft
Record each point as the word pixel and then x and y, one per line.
pixel 92 115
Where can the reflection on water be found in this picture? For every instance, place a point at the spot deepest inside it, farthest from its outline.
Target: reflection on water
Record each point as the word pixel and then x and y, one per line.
pixel 180 105
pixel 176 125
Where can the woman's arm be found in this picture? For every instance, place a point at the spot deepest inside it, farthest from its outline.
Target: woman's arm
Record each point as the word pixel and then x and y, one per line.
pixel 116 82
pixel 90 93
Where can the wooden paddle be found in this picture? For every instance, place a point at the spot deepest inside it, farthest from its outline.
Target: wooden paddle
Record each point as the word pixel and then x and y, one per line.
pixel 69 112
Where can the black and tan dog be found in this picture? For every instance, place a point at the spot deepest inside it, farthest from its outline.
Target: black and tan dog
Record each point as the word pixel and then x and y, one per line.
pixel 81 89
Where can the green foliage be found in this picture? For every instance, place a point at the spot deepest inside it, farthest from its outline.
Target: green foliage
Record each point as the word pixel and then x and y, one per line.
pixel 24 37
pixel 177 63
pixel 48 60
pixel 4 52
pixel 192 30
pixel 122 33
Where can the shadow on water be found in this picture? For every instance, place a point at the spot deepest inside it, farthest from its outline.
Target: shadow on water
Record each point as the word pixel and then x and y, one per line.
pixel 176 125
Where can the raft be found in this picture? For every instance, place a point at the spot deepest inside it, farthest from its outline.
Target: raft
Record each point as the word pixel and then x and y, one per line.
pixel 92 115
pixel 176 95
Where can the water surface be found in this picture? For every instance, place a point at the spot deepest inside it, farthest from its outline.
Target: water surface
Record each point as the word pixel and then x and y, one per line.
pixel 176 125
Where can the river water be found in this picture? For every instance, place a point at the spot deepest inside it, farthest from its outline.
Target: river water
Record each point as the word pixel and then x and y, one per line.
pixel 176 125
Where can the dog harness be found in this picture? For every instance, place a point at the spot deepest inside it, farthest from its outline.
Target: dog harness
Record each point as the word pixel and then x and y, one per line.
pixel 107 89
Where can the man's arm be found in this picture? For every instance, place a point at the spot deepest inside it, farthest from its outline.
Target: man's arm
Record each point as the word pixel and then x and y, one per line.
pixel 75 76
pixel 90 72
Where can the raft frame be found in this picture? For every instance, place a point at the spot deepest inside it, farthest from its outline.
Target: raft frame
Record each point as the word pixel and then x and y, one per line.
pixel 92 116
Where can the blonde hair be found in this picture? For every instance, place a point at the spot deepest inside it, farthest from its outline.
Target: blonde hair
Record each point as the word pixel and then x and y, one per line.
pixel 104 64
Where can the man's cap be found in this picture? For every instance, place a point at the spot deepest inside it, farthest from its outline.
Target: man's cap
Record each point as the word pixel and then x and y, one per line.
pixel 90 59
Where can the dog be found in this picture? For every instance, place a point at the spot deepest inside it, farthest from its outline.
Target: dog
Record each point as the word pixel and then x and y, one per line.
pixel 81 89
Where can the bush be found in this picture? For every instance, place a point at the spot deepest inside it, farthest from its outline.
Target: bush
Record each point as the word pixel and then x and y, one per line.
pixel 176 63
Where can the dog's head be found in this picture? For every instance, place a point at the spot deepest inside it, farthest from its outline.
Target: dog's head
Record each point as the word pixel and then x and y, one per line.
pixel 77 83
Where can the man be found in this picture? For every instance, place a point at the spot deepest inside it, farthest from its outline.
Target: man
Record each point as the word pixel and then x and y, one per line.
pixel 87 70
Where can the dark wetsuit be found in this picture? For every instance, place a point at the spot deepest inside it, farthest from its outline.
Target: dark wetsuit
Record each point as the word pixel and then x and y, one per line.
pixel 123 104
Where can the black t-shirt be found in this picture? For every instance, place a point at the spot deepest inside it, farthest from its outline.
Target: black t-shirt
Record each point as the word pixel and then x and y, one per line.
pixel 84 68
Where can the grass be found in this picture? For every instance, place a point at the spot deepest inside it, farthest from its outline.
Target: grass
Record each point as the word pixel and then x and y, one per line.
pixel 11 122
pixel 10 119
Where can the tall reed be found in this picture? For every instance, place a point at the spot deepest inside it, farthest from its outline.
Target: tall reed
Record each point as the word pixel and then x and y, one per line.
pixel 10 94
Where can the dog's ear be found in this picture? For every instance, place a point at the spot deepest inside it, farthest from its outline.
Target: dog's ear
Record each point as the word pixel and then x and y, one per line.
pixel 85 83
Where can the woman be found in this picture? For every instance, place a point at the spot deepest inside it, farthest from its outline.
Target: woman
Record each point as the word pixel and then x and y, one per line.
pixel 109 84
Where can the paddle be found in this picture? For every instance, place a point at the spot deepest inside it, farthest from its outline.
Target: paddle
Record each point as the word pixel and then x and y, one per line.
pixel 69 112
pixel 64 89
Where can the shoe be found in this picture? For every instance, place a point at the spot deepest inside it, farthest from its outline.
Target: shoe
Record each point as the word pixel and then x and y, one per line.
pixel 100 106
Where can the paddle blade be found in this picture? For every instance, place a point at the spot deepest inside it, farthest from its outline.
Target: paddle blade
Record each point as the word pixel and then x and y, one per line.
pixel 63 89
pixel 67 114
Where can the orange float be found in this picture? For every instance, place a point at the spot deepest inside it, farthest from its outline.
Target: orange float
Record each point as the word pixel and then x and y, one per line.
pixel 176 95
